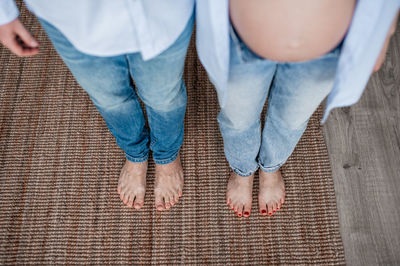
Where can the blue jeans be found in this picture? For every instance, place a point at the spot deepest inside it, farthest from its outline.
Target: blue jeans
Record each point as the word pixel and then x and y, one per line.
pixel 159 84
pixel 294 91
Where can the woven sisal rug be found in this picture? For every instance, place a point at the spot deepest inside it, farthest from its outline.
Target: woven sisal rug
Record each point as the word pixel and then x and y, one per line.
pixel 59 168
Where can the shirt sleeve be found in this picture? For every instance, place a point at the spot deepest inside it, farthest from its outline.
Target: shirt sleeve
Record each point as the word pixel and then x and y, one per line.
pixel 8 11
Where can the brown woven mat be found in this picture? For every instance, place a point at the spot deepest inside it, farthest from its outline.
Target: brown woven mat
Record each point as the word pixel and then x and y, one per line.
pixel 59 168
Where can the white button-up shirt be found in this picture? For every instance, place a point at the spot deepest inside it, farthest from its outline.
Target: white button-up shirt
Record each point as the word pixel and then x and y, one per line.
pixel 364 41
pixel 111 27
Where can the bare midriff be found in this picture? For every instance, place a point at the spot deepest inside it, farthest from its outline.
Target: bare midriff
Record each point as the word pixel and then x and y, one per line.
pixel 291 30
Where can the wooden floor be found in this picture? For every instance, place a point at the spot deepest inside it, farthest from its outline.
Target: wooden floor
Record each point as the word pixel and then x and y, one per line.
pixel 364 149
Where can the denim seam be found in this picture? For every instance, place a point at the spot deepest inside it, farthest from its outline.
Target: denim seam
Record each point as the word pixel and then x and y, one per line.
pixel 137 160
pixel 272 91
pixel 166 161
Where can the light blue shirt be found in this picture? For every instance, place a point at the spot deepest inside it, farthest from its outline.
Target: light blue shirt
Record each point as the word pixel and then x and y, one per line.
pixel 111 27
pixel 361 48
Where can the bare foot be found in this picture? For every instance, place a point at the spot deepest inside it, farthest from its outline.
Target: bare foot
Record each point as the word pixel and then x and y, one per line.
pixel 168 184
pixel 272 192
pixel 132 184
pixel 239 194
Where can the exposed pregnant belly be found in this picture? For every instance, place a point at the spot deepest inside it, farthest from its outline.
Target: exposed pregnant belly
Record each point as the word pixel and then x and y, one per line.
pixel 291 30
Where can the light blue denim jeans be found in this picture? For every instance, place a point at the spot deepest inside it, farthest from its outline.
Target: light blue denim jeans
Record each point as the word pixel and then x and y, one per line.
pixel 294 91
pixel 159 84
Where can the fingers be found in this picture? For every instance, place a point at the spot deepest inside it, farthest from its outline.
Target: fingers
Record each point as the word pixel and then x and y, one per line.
pixel 25 36
pixel 16 38
pixel 19 49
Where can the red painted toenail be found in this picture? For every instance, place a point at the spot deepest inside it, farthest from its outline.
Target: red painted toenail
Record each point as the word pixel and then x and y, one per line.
pixel 246 213
pixel 270 213
pixel 240 215
pixel 263 211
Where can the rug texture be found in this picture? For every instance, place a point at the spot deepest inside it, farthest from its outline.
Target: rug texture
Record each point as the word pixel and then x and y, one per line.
pixel 59 168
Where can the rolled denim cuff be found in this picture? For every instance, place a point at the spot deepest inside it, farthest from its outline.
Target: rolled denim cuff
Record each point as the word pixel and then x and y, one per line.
pixel 241 173
pixel 166 161
pixel 135 159
pixel 270 169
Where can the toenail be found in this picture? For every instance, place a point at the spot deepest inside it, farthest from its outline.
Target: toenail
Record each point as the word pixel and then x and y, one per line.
pixel 270 213
pixel 263 211
pixel 240 215
pixel 246 213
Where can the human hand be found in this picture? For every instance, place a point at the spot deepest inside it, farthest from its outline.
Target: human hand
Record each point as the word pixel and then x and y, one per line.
pixel 382 55
pixel 15 37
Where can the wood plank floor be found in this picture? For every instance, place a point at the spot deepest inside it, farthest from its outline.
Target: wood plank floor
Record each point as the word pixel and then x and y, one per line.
pixel 364 148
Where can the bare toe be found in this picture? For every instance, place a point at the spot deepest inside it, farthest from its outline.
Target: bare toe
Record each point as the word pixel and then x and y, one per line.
pixel 167 200
pixel 176 199
pixel 129 203
pixel 240 210
pixel 159 202
pixel 269 206
pixel 125 198
pixel 262 205
pixel 274 207
pixel 247 210
pixel 139 201
pixel 235 208
pixel 138 205
pixel 167 205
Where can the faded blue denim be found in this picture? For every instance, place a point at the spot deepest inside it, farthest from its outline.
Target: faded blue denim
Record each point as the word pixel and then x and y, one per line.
pixel 159 84
pixel 294 91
